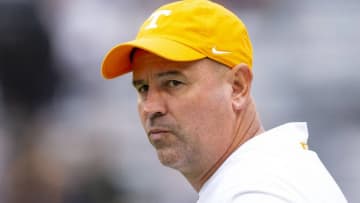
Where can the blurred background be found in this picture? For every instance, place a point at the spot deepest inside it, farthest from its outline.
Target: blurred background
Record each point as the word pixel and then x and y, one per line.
pixel 69 136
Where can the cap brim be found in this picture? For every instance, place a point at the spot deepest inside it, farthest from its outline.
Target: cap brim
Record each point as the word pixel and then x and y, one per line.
pixel 117 60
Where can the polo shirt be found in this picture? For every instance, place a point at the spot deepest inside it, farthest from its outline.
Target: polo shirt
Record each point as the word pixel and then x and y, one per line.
pixel 273 167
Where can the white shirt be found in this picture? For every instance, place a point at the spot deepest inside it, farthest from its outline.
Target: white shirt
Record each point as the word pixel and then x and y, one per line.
pixel 273 167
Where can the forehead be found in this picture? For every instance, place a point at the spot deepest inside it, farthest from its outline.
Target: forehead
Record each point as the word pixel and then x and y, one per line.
pixel 146 63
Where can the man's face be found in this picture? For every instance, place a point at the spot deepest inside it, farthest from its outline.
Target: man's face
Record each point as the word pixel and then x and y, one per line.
pixel 185 109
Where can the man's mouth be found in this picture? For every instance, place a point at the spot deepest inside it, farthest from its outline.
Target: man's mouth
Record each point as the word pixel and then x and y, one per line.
pixel 156 134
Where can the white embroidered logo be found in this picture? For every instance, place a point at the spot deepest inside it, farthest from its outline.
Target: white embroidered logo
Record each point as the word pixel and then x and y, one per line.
pixel 155 16
pixel 218 52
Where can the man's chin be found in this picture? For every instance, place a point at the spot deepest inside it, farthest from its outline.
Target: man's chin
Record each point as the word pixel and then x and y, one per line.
pixel 169 158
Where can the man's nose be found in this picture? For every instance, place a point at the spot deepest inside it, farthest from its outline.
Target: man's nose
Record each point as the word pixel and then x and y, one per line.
pixel 154 104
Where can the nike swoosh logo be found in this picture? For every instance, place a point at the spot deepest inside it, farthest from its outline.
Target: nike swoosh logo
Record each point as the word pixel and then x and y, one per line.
pixel 218 52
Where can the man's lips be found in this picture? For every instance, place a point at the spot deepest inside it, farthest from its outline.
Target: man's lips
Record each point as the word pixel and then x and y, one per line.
pixel 157 133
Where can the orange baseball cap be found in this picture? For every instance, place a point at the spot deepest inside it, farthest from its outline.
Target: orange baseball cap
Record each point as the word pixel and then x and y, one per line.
pixel 185 31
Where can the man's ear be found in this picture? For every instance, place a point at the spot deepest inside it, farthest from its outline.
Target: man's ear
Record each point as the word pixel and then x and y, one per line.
pixel 241 84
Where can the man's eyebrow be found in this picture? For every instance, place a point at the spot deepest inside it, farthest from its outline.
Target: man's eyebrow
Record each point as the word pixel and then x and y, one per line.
pixel 169 73
pixel 136 83
pixel 159 75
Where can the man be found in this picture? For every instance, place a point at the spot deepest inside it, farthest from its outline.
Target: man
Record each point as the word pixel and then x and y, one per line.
pixel 192 68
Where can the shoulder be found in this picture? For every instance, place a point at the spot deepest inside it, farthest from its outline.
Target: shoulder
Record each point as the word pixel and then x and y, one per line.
pixel 245 177
pixel 271 176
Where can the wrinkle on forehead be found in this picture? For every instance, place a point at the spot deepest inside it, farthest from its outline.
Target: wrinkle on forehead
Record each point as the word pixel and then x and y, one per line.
pixel 153 64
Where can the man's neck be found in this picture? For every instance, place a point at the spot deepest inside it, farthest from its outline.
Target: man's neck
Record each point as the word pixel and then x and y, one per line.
pixel 247 126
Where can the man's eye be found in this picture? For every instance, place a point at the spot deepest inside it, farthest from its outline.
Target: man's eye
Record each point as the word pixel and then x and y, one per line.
pixel 173 83
pixel 142 88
